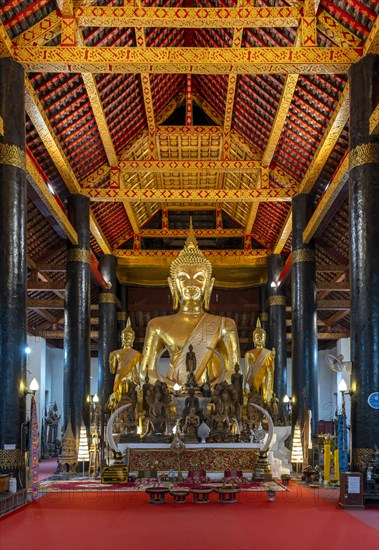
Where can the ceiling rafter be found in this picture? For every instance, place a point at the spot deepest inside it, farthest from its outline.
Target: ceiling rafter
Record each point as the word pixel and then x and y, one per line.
pixel 44 129
pixel 191 18
pixel 190 195
pixel 171 60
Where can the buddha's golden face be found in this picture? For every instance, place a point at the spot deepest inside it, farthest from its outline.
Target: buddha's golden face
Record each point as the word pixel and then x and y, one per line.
pixel 191 283
pixel 127 339
pixel 259 338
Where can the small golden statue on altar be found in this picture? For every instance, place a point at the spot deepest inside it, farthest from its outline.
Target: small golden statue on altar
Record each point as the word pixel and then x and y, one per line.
pixel 214 339
pixel 260 365
pixel 124 363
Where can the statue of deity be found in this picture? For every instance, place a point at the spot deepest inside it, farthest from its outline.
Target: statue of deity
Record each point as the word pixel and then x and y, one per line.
pixel 214 338
pixel 124 362
pixel 260 364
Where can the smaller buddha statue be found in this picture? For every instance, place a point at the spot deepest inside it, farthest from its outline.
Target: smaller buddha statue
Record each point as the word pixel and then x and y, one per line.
pixel 260 365
pixel 237 381
pixel 192 423
pixel 124 362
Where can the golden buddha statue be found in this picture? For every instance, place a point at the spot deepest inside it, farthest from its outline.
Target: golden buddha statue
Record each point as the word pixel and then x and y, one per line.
pixel 124 362
pixel 214 339
pixel 259 364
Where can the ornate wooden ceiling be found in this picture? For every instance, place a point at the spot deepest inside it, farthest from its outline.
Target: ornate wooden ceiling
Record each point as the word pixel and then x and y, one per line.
pixel 157 109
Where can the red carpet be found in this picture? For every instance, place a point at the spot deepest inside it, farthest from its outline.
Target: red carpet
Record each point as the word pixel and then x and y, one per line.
pixel 298 520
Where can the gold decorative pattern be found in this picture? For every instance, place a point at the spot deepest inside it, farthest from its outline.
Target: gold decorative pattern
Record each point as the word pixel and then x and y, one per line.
pixel 283 237
pixel 107 298
pixel 210 459
pixel 42 32
pixel 374 121
pixel 193 18
pixel 11 459
pixel 337 33
pixel 303 255
pixel 1 126
pixel 187 166
pixel 327 200
pixel 332 133
pixel 276 301
pixel 122 316
pixel 177 60
pixel 367 153
pixel 12 156
pixel 6 45
pixel 280 117
pixel 190 195
pixel 362 454
pixel 78 255
pixel 263 315
pixel 371 46
pixel 49 201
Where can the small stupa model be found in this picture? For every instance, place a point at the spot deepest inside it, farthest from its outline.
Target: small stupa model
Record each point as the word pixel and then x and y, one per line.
pixel 68 459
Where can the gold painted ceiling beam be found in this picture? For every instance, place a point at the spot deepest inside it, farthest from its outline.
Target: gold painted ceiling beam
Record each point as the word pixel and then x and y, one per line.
pixel 188 166
pixel 49 201
pixel 255 257
pixel 327 200
pixel 330 138
pixel 99 235
pixel 190 195
pixel 374 121
pixel 371 46
pixel 6 45
pixel 284 235
pixel 336 32
pixel 192 18
pixel 77 59
pixel 42 32
pixel 44 129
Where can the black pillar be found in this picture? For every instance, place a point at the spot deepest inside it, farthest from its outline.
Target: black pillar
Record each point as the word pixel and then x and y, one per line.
pixel 107 326
pixel 304 316
pixel 122 316
pixel 13 264
pixel 277 326
pixel 263 314
pixel 77 352
pixel 364 256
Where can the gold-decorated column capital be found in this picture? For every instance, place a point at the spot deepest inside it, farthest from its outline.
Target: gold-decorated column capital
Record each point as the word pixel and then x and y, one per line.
pixel 12 156
pixel 366 153
pixel 276 301
pixel 107 298
pixel 78 255
pixel 303 255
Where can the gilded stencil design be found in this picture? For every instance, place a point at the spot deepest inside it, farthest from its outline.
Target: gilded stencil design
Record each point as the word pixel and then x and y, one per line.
pixel 303 255
pixel 11 459
pixel 107 298
pixel 78 255
pixel 367 153
pixel 216 460
pixel 276 301
pixel 12 155
pixel 362 455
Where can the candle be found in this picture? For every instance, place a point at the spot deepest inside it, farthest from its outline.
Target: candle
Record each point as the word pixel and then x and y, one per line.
pixel 326 462
pixel 336 464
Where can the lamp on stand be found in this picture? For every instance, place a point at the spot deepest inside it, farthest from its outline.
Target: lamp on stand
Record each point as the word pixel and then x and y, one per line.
pixel 83 452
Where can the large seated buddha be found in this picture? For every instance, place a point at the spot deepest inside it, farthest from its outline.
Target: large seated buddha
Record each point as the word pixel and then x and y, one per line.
pixel 214 338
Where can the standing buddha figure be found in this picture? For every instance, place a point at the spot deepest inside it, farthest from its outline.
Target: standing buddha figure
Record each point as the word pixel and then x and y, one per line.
pixel 214 338
pixel 124 362
pixel 260 365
